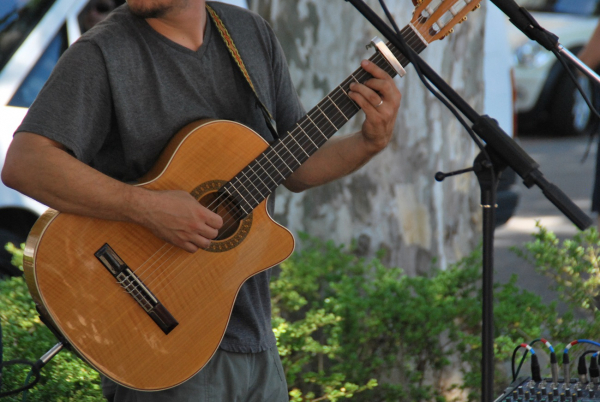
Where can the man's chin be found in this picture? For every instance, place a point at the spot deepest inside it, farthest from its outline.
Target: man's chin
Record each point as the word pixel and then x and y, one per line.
pixel 149 13
pixel 145 11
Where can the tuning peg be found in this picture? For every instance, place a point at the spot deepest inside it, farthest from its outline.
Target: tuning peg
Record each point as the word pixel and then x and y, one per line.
pixel 449 32
pixel 463 19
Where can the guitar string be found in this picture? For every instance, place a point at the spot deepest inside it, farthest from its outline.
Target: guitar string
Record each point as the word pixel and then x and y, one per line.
pixel 220 198
pixel 310 131
pixel 292 155
pixel 251 192
pixel 174 269
pixel 333 104
pixel 157 269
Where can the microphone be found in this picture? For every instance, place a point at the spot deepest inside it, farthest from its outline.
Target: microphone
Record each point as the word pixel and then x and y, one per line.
pixel 523 20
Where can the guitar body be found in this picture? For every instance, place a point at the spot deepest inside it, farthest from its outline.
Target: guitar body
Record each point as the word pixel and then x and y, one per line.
pixel 103 323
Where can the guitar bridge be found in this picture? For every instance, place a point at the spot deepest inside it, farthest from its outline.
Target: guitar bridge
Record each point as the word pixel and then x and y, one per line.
pixel 136 288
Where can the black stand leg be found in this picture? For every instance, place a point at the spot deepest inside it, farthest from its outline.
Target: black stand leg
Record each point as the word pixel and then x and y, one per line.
pixel 487 174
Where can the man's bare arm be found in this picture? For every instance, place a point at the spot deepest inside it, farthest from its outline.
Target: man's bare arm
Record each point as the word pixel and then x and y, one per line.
pixel 44 170
pixel 380 99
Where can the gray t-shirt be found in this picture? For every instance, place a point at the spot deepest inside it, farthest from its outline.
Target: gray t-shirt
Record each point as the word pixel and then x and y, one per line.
pixel 118 95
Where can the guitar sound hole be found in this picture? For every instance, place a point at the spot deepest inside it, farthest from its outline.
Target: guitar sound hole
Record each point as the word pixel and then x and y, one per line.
pixel 231 215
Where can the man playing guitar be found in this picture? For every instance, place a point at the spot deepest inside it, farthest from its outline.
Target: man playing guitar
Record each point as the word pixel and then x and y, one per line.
pixel 114 101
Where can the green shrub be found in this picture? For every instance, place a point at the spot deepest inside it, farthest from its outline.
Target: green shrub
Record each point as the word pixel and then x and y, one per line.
pixel 370 323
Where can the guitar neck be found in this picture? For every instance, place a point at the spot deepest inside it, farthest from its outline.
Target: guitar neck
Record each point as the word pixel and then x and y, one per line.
pixel 261 177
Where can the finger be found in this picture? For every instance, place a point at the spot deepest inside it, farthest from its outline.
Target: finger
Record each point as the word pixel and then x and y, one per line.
pixel 198 241
pixel 215 221
pixel 375 70
pixel 384 88
pixel 211 218
pixel 189 247
pixel 381 82
pixel 208 232
pixel 364 96
pixel 387 89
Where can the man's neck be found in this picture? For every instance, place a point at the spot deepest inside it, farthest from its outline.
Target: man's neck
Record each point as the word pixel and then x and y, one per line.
pixel 184 26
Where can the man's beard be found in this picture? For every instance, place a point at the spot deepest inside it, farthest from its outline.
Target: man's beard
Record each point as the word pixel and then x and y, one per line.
pixel 153 11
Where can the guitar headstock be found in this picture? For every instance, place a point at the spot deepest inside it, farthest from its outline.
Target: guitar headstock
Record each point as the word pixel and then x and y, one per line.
pixel 435 19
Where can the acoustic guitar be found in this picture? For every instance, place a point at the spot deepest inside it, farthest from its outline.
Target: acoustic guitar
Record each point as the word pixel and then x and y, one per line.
pixel 149 315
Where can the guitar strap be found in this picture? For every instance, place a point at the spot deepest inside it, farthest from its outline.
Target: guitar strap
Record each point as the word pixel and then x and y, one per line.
pixel 237 58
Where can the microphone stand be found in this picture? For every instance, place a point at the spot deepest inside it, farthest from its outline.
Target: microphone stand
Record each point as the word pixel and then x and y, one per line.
pixel 503 151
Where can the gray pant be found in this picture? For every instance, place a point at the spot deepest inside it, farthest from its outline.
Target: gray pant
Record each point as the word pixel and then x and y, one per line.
pixel 228 377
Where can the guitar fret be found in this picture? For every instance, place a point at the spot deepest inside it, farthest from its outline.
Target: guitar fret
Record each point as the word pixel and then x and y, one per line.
pixel 247 191
pixel 274 167
pixel 327 117
pixel 230 203
pixel 255 186
pixel 229 192
pixel 317 127
pixel 336 106
pixel 349 107
pixel 282 160
pixel 384 64
pixel 266 171
pixel 336 129
pixel 335 113
pixel 308 136
pixel 355 104
pixel 291 153
pixel 261 180
pixel 300 146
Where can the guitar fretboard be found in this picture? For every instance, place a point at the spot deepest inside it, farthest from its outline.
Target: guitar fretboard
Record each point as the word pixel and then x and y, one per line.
pixel 262 176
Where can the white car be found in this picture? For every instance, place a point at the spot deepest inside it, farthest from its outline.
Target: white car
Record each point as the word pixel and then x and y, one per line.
pixel 547 100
